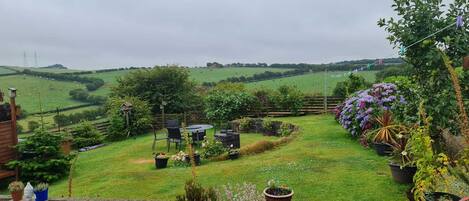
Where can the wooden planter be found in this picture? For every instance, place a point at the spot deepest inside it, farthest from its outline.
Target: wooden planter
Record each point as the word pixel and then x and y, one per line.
pixel 466 63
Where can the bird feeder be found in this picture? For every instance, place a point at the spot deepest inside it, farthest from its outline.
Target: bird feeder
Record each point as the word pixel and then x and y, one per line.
pixel 466 62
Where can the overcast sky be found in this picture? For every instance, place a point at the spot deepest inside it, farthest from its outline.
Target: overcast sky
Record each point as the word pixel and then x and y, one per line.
pixel 90 34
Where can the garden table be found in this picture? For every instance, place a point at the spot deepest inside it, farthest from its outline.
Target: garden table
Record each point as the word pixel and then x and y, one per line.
pixel 198 127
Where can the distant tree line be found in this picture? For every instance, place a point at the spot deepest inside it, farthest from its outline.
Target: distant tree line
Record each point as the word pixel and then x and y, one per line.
pixel 267 75
pixel 104 70
pixel 89 115
pixel 84 96
pixel 90 82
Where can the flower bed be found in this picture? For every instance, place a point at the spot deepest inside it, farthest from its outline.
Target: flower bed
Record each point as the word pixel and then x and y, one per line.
pixel 357 112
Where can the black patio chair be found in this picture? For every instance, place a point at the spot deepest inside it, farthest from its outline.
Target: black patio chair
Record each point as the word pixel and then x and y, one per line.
pixel 172 123
pixel 174 135
pixel 198 136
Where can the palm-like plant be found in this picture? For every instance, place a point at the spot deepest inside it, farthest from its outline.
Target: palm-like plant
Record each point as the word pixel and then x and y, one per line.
pixel 387 129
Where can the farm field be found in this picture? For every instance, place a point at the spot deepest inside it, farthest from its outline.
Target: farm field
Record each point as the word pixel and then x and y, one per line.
pixel 320 164
pixel 53 93
pixel 49 117
pixel 311 83
pixel 200 75
pixel 48 70
pixel 5 71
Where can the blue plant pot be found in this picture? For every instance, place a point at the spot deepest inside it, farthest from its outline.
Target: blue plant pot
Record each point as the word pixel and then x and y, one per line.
pixel 42 195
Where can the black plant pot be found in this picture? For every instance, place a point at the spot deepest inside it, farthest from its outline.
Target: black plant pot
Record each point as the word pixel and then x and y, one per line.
pixel 233 156
pixel 196 158
pixel 404 175
pixel 439 195
pixel 382 149
pixel 161 163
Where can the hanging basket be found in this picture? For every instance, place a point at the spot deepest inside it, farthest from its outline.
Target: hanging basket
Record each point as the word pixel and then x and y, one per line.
pixel 466 62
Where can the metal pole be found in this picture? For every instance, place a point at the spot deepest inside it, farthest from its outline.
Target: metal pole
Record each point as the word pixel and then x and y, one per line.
pixel 325 90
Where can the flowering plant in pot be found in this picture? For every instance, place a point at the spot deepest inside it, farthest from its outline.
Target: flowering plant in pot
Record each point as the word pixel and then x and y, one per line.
pixel 277 192
pixel 16 190
pixel 161 160
pixel 402 163
pixel 42 192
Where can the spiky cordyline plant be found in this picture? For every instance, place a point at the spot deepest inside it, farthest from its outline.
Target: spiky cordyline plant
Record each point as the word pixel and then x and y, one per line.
pixel 387 129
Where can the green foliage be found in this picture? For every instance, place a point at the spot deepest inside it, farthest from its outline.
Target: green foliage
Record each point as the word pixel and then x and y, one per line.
pixel 225 104
pixel 86 135
pixel 33 125
pixel 407 111
pixel 353 84
pixel 416 20
pixel 139 118
pixel 83 95
pixel 290 98
pixel 169 84
pixel 268 125
pixel 77 117
pixel 264 100
pixel 212 148
pixel 41 187
pixel 285 129
pixel 44 161
pixel 195 192
pixel 245 124
pixel 402 70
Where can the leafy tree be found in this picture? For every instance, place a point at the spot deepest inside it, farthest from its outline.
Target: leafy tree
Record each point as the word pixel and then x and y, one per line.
pixel 417 20
pixel 226 103
pixel 86 135
pixel 402 70
pixel 169 84
pixel 139 117
pixel 353 84
pixel 290 98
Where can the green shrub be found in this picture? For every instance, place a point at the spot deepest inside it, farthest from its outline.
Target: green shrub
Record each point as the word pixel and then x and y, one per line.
pixel 195 192
pixel 289 98
pixel 401 70
pixel 245 124
pixel 227 104
pixel 86 135
pixel 33 125
pixel 139 117
pixel 44 161
pixel 268 125
pixel 212 149
pixel 353 84
pixel 285 129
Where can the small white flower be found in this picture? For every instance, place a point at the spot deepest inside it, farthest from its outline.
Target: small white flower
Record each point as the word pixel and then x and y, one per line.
pixel 231 145
pixel 399 136
pixel 404 153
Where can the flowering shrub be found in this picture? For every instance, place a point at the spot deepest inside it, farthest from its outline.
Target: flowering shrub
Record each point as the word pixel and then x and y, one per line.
pixel 240 192
pixel 179 159
pixel 356 113
pixel 212 148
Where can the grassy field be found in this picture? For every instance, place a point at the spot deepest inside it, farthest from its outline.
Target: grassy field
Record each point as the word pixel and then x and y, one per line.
pixel 48 70
pixel 322 163
pixel 53 93
pixel 49 117
pixel 5 70
pixel 310 83
pixel 197 74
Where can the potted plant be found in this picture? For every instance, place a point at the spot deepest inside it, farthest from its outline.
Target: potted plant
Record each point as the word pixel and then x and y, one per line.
pixel 161 160
pixel 187 158
pixel 16 190
pixel 233 153
pixel 383 136
pixel 276 192
pixel 269 127
pixel 402 164
pixel 41 191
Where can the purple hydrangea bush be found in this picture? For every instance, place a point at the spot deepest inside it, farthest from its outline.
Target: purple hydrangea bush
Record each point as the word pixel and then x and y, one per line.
pixel 357 112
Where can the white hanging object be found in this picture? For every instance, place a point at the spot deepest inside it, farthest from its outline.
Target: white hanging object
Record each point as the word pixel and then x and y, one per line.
pixel 28 193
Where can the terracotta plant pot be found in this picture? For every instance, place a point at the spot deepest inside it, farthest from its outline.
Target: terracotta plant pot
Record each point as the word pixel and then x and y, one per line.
pixel 382 149
pixel 466 63
pixel 17 195
pixel 404 175
pixel 66 147
pixel 269 197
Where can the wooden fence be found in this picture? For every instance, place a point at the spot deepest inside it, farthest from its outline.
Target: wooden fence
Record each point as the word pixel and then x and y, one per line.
pixel 7 152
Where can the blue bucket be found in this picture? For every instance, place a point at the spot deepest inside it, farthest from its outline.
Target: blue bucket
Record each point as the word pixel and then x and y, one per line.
pixel 42 195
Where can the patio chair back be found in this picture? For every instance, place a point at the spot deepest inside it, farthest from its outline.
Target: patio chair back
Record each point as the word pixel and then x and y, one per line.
pixel 174 133
pixel 198 136
pixel 172 123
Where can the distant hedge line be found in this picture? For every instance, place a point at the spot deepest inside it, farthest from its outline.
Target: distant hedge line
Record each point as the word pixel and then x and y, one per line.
pixel 90 82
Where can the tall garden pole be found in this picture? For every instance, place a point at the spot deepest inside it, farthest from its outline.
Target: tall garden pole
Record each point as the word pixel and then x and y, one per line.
pixel 325 90
pixel 14 135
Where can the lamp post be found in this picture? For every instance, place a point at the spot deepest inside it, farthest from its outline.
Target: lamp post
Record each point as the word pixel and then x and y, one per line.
pixel 14 135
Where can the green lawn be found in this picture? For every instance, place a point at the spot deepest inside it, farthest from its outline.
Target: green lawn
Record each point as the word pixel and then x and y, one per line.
pixel 322 163
pixel 311 83
pixel 53 93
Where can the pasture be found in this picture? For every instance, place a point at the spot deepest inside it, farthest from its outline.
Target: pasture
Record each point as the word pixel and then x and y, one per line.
pixel 311 83
pixel 5 71
pixel 34 91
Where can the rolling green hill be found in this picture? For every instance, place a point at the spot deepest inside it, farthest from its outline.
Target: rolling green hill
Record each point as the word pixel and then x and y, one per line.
pixel 53 93
pixel 4 70
pixel 310 83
